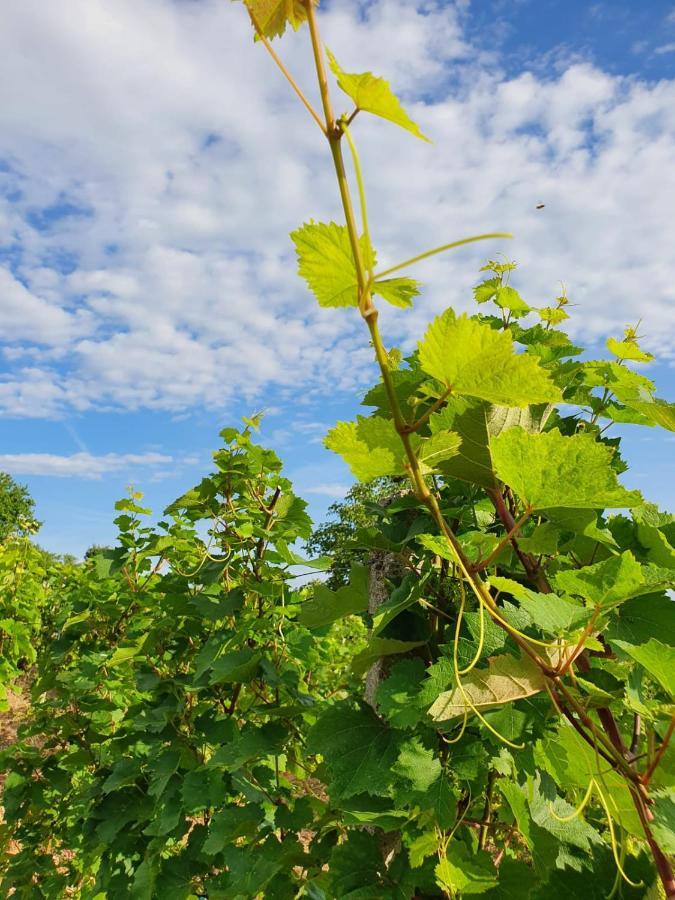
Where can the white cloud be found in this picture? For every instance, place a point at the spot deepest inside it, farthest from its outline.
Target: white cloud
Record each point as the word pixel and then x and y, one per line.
pixel 665 48
pixel 156 161
pixel 78 465
pixel 330 489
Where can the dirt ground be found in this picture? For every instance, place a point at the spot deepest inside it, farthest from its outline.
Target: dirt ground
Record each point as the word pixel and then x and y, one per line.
pixel 19 703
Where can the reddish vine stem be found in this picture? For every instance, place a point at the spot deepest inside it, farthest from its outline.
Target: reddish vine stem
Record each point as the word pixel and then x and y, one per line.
pixel 534 572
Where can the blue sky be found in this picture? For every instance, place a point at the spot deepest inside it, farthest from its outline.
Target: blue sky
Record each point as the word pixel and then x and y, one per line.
pixel 152 164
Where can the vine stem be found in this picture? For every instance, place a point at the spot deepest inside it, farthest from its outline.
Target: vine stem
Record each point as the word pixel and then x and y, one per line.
pixel 369 312
pixel 287 75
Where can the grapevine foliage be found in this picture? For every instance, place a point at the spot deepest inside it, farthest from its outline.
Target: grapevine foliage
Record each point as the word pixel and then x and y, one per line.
pixel 480 703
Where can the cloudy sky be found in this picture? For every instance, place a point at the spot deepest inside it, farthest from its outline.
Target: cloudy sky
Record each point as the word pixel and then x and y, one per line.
pixel 153 161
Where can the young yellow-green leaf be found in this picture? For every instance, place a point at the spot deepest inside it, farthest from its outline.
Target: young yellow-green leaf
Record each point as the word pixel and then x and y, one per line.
pixel 508 298
pixel 605 584
pixel 552 470
pixel 437 449
pixel 506 679
pixel 657 411
pixel 628 350
pixel 397 291
pixel 472 359
pixel 326 262
pixel 372 94
pixel 369 451
pixel 272 16
pixel 486 290
pixel 554 315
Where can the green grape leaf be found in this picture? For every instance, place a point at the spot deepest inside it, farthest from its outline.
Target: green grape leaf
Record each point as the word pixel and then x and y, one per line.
pixel 660 412
pixel 612 581
pixel 378 647
pixel 466 872
pixel 663 826
pixel 552 470
pixel 397 693
pixel 547 808
pixel 272 16
pixel 549 612
pixel 417 766
pixel 471 359
pixel 126 653
pixel 422 847
pixel 638 620
pixel 554 315
pixel 373 94
pixel 435 451
pixel 397 291
pixel 236 666
pixel 231 823
pixel 475 426
pixel 656 657
pixel 508 298
pixel 442 800
pixel 326 262
pixel 486 290
pixel 358 750
pixel 628 350
pixel 328 606
pixel 504 680
pixel 370 447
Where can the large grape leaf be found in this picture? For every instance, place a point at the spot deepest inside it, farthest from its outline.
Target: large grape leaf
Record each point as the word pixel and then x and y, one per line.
pixel 606 583
pixel 326 262
pixel 373 94
pixel 628 349
pixel 417 766
pixel 434 452
pixel 371 447
pixel 553 614
pixel 547 808
pixel 553 470
pixel 396 694
pixel 660 412
pixel 272 16
pixel 638 620
pixel 328 606
pixel 470 358
pixel 475 426
pixel 656 657
pixel 358 750
pixel 466 872
pixel 506 679
pixel 663 826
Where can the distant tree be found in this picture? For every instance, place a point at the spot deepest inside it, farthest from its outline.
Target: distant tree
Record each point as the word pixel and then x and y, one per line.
pixel 360 508
pixel 95 549
pixel 16 508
